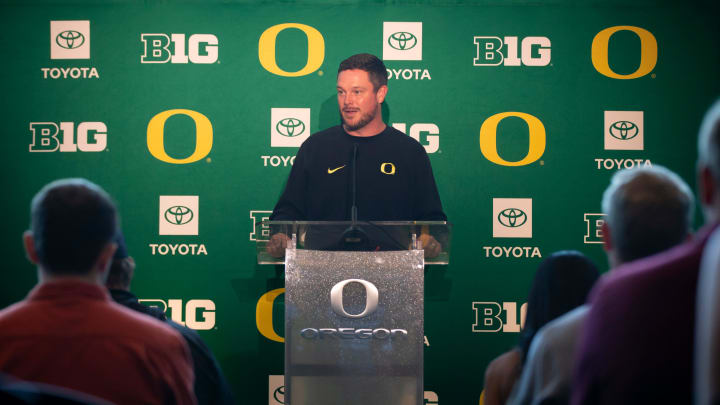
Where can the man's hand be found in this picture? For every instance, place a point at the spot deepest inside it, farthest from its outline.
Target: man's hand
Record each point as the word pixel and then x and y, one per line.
pixel 277 245
pixel 431 245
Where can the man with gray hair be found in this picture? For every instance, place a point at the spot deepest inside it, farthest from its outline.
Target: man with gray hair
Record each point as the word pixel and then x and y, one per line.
pixel 68 332
pixel 647 210
pixel 636 345
pixel 707 339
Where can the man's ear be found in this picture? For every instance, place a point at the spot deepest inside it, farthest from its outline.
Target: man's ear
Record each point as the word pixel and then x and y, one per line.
pixel 381 93
pixel 607 239
pixel 29 243
pixel 706 184
pixel 131 265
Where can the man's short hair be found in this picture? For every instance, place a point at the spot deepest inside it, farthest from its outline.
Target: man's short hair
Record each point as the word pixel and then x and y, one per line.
pixel 71 221
pixel 370 63
pixel 709 141
pixel 648 210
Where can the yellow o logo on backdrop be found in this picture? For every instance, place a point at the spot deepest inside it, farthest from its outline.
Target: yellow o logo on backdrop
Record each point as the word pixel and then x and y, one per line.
pixel 648 52
pixel 488 139
pixel 316 49
pixel 156 136
pixel 263 315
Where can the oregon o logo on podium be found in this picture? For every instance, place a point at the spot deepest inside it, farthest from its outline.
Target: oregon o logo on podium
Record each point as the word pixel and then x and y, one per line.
pixel 371 300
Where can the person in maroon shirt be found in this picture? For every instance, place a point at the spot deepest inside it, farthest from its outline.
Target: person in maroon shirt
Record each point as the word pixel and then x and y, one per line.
pixel 68 332
pixel 636 346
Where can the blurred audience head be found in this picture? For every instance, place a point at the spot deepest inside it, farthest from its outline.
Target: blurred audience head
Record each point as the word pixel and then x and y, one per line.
pixel 72 224
pixel 648 210
pixel 708 164
pixel 122 267
pixel 562 283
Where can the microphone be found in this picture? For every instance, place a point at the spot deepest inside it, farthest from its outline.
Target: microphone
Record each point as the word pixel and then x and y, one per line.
pixel 354 236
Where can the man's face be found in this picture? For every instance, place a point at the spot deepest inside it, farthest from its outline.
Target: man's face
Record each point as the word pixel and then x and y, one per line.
pixel 358 101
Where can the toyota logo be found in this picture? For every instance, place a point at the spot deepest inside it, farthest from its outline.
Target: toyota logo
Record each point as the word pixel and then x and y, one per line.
pixel 70 39
pixel 623 130
pixel 402 41
pixel 290 127
pixel 279 394
pixel 178 215
pixel 512 217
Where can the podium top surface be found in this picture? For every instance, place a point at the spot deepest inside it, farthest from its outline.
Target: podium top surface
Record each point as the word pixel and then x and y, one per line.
pixel 273 237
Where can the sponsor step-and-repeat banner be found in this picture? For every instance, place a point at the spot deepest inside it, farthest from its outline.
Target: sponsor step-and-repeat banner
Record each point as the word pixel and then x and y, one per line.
pixel 190 116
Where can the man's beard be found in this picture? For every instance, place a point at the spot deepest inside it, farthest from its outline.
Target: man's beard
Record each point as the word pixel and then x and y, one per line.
pixel 364 120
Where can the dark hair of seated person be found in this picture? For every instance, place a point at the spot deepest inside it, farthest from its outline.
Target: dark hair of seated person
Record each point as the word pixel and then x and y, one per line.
pixel 71 221
pixel 562 282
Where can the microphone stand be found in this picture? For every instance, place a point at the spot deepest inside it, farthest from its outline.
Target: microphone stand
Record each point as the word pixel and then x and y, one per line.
pixel 354 237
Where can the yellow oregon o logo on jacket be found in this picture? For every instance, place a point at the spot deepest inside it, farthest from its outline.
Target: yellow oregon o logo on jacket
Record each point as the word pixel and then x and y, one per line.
pixel 156 136
pixel 387 168
pixel 488 139
pixel 315 49
pixel 648 52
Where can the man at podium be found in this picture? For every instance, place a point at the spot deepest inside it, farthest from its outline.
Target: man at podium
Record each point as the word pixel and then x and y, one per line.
pixel 363 169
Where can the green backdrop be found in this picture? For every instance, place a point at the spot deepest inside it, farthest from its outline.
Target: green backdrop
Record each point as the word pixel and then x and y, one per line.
pixel 567 77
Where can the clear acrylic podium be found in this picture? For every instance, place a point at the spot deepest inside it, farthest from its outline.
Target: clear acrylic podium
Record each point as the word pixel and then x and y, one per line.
pixel 354 307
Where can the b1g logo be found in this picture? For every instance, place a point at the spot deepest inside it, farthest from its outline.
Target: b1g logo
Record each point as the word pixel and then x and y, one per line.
pixel 488 139
pixel 512 218
pixel 593 228
pixel 624 130
pixel 195 314
pixel 156 136
pixel 315 49
pixel 495 51
pixel 91 137
pixel 402 40
pixel 179 214
pixel 289 127
pixel 488 317
pixel 264 232
pixel 160 48
pixel 648 52
pixel 429 132
pixel 70 39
